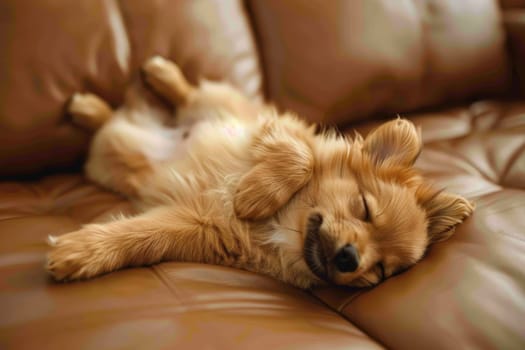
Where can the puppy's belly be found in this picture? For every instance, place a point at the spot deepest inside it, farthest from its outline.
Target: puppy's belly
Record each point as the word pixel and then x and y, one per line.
pixel 209 157
pixel 219 143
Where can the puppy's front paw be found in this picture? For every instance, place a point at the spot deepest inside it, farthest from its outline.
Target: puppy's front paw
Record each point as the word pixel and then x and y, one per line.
pixel 89 111
pixel 78 255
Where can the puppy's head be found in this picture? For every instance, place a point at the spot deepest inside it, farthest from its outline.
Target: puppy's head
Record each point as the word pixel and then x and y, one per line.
pixel 366 214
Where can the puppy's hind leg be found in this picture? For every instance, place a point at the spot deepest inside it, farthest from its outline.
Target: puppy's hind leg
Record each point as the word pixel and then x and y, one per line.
pixel 113 158
pixel 125 153
pixel 89 111
pixel 168 80
pixel 128 142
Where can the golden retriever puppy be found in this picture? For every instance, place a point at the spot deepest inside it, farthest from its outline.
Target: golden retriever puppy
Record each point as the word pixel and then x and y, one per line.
pixel 234 183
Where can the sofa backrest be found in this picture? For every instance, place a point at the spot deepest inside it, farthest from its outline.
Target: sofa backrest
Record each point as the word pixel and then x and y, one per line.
pixel 335 61
pixel 341 61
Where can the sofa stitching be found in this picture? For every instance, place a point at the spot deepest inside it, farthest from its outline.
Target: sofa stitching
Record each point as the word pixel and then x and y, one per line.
pixel 512 160
pixel 157 272
pixel 450 151
pixel 350 300
pixel 474 166
pixel 339 311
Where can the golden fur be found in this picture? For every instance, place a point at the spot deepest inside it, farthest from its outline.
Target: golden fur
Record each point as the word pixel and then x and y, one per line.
pixel 234 183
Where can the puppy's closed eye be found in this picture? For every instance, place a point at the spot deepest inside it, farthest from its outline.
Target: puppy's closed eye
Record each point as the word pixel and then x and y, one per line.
pixel 366 216
pixel 380 268
pixel 360 207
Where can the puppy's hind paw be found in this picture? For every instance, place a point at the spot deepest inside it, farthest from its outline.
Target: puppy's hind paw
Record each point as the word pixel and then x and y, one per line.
pixel 89 111
pixel 158 65
pixel 166 78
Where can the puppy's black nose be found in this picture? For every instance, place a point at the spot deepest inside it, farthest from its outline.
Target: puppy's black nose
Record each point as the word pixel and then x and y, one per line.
pixel 347 259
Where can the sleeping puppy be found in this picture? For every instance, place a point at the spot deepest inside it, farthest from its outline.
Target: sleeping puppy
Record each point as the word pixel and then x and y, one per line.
pixel 234 183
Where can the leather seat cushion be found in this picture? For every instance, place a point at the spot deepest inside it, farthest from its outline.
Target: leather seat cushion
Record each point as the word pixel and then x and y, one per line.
pixel 170 305
pixel 466 293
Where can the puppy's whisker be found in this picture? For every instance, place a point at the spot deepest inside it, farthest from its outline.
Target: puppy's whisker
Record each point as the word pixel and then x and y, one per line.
pixel 290 229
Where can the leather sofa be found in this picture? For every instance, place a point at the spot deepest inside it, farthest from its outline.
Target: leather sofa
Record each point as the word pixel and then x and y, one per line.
pixel 455 68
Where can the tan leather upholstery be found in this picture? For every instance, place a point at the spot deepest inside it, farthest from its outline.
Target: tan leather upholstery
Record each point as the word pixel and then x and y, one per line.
pixel 466 293
pixel 342 62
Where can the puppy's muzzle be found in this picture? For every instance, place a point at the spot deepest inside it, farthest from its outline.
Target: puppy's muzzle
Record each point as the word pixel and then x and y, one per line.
pixel 321 254
pixel 347 259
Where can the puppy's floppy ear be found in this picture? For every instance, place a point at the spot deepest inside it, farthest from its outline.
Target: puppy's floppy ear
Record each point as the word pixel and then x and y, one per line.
pixel 444 212
pixel 283 165
pixel 396 142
